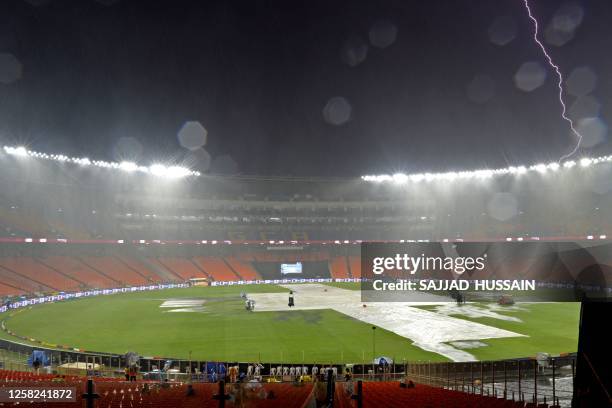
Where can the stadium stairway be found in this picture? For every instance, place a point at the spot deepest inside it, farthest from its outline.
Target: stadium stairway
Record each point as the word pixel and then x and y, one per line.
pixel 87 261
pixel 338 267
pixel 355 266
pixel 19 283
pixel 113 269
pixel 16 280
pixel 242 269
pixel 139 268
pixel 182 267
pixel 8 290
pixel 160 270
pixel 216 268
pixel 75 269
pixel 39 273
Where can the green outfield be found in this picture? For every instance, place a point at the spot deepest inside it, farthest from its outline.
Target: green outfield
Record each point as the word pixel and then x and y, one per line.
pixel 221 329
pixel 548 327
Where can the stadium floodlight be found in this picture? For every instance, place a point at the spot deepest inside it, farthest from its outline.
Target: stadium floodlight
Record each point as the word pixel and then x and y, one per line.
pixel 28 240
pixel 589 237
pixel 16 151
pixel 521 170
pixel 480 174
pixel 400 178
pixel 128 166
pixel 158 170
pixel 177 172
pixel 603 236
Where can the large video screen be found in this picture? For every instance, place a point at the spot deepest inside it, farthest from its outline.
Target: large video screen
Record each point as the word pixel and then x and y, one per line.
pixel 291 268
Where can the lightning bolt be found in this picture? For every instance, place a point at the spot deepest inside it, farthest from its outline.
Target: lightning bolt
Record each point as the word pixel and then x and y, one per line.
pixel 559 84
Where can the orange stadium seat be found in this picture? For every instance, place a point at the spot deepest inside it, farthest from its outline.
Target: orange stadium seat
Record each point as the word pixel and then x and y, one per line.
pixel 9 290
pixel 155 262
pixel 114 269
pixel 339 267
pixel 140 268
pixel 19 282
pixel 355 264
pixel 242 269
pixel 115 393
pixel 39 273
pixel 78 271
pixel 216 267
pixel 182 267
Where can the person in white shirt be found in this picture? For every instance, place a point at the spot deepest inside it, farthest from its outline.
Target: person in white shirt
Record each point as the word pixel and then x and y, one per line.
pixel 292 371
pixel 258 368
pixel 335 371
pixel 315 371
pixel 285 370
pixel 305 370
pixel 298 371
pixel 324 372
pixel 279 370
pixel 250 371
pixel 273 371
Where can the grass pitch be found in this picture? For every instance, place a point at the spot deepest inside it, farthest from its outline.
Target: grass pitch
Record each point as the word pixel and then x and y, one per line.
pixel 549 327
pixel 222 331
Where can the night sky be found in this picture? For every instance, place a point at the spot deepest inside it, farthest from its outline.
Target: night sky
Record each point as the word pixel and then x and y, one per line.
pixel 431 85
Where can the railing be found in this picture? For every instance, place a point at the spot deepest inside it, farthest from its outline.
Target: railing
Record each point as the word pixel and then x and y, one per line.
pixel 547 380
